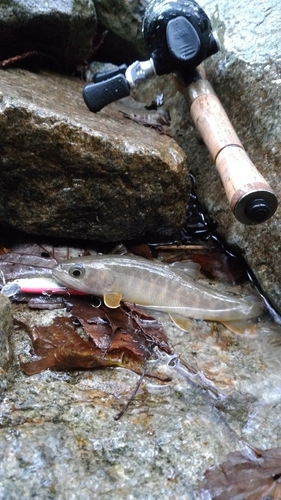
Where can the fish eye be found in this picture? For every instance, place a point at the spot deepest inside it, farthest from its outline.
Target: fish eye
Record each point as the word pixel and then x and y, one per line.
pixel 77 271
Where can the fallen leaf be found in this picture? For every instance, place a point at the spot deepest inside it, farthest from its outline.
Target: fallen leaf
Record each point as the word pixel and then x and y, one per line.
pixel 59 347
pixel 243 478
pixel 141 249
pixel 4 250
pixel 123 337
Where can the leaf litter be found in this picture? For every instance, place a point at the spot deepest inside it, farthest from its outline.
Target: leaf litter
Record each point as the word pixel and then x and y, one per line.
pixel 123 337
pixel 244 478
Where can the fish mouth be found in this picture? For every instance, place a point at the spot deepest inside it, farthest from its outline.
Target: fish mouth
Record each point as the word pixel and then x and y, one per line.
pixel 57 272
pixel 57 267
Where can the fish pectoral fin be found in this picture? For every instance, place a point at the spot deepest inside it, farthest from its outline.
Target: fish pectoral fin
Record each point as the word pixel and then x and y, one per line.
pixel 241 326
pixel 181 322
pixel 112 300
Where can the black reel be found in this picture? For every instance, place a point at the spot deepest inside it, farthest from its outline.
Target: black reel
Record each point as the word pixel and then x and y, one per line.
pixel 179 37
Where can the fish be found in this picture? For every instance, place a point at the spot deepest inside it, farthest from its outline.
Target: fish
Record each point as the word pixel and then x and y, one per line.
pixel 172 289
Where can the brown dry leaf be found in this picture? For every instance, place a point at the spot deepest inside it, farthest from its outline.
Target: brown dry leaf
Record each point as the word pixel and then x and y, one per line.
pixel 141 249
pixel 217 264
pixel 4 250
pixel 240 478
pixel 31 259
pixel 26 259
pixel 126 328
pixel 139 330
pixel 117 337
pixel 151 116
pixel 150 328
pixel 59 347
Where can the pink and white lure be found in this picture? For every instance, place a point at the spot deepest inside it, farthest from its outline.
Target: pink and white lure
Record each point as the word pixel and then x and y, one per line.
pixel 37 285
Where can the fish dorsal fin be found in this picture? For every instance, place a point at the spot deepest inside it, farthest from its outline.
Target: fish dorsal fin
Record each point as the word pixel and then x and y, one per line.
pixel 189 268
pixel 182 322
pixel 112 300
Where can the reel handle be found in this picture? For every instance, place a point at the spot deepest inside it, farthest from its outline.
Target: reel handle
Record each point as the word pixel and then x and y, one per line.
pixel 98 95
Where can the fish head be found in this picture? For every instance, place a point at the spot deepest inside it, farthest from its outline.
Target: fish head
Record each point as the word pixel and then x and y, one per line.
pixel 89 275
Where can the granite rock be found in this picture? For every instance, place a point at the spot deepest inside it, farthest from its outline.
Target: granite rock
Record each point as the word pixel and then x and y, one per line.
pixel 67 172
pixel 61 33
pixel 122 20
pixel 59 439
pixel 6 323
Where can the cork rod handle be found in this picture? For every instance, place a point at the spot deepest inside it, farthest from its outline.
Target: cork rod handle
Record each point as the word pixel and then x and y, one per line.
pixel 249 195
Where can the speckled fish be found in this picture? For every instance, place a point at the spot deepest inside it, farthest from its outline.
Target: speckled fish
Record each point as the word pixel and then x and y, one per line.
pixel 157 286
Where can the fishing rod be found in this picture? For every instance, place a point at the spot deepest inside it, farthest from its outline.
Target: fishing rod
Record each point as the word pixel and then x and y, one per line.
pixel 179 37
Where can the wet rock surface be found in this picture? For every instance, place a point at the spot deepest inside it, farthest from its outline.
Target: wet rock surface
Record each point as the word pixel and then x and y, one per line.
pixel 57 430
pixel 71 173
pixel 6 323
pixel 59 437
pixel 60 32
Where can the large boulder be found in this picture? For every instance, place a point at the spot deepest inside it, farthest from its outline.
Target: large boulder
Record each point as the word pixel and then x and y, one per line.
pixel 122 21
pixel 59 33
pixel 66 172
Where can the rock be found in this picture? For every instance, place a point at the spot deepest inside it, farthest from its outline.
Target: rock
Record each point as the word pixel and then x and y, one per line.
pixel 246 76
pixel 122 19
pixel 6 323
pixel 59 439
pixel 67 172
pixel 62 32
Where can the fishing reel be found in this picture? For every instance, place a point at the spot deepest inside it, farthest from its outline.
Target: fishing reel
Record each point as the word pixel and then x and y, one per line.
pixel 179 37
